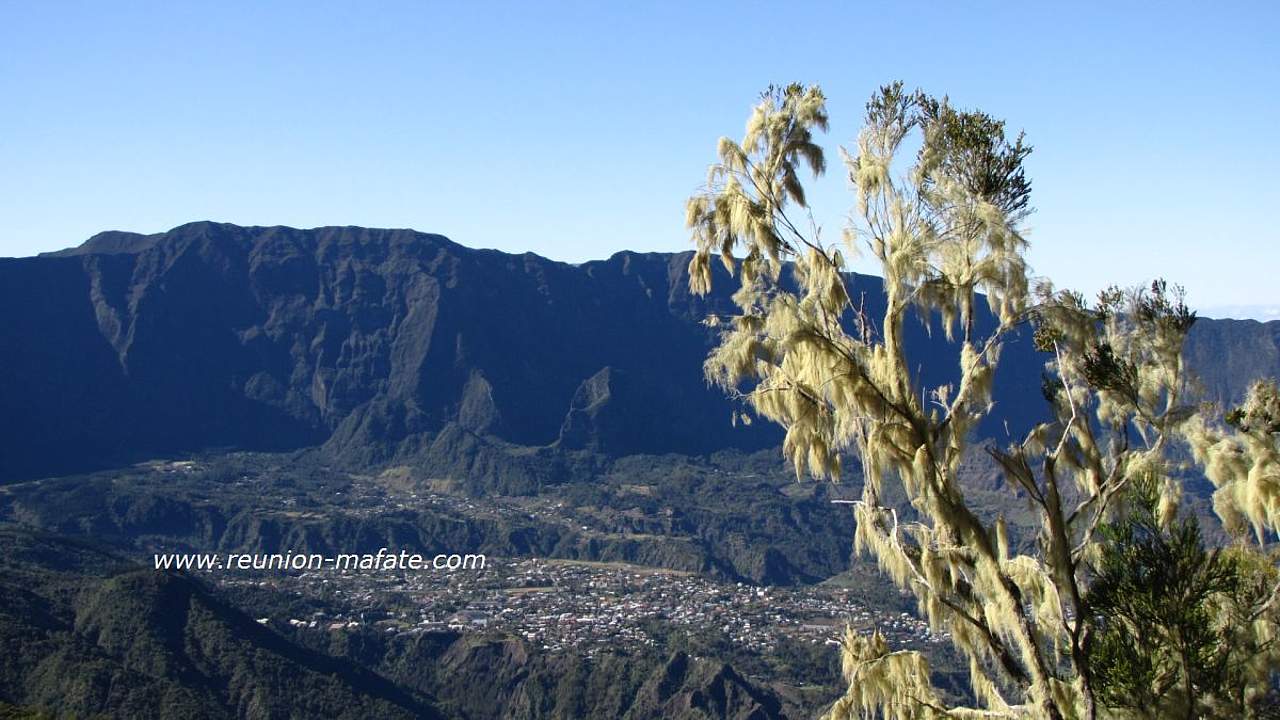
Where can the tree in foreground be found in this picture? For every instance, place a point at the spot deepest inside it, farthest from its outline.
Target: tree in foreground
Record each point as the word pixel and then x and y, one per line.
pixel 1041 629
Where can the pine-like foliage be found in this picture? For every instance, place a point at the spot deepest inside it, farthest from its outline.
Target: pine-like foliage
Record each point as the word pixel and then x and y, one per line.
pixel 1174 622
pixel 947 232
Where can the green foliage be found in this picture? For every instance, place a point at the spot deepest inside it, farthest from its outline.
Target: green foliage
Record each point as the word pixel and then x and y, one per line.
pixel 12 712
pixel 972 147
pixel 1167 616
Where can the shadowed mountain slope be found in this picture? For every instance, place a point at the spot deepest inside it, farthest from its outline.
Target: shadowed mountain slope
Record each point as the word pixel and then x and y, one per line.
pixel 380 343
pixel 88 634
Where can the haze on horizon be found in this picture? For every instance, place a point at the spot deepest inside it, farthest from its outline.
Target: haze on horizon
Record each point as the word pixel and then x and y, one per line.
pixel 576 130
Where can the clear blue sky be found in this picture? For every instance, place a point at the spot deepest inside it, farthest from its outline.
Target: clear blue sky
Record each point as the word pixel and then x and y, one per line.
pixel 578 129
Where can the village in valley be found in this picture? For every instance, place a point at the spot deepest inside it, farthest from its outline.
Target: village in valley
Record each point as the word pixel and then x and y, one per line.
pixel 560 604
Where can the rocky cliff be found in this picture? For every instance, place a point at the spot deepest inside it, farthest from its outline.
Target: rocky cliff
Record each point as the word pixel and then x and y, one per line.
pixel 382 343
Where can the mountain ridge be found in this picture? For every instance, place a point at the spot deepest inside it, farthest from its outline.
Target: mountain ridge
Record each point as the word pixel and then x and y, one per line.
pixel 380 344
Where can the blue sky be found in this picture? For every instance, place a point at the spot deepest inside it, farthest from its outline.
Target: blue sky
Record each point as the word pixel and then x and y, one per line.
pixel 575 130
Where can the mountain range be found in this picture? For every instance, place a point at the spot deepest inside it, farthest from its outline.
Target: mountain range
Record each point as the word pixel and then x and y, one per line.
pixel 384 344
pixel 345 389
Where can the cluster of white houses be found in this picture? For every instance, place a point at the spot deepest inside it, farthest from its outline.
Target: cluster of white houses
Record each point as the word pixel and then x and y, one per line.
pixel 557 605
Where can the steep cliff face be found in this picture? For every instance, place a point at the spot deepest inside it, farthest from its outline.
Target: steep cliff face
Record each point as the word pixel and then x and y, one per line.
pixel 1229 355
pixel 267 338
pixel 377 342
